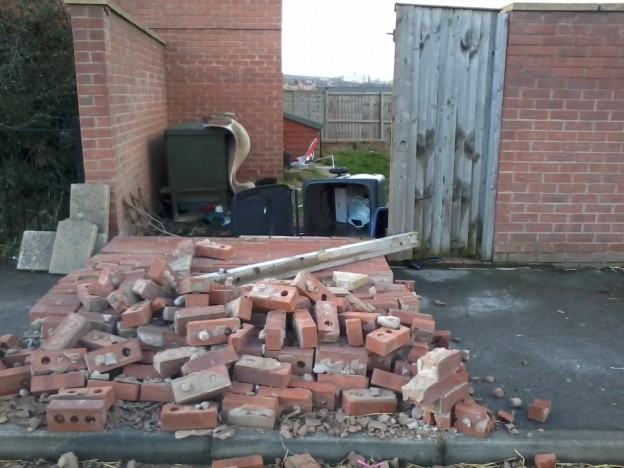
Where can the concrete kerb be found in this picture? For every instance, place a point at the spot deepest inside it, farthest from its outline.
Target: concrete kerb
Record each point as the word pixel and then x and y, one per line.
pixel 594 447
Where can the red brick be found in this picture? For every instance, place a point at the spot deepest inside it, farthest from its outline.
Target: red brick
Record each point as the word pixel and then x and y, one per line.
pixel 14 379
pixel 23 357
pixel 89 301
pixel 288 398
pixel 250 461
pixel 354 332
pixel 169 362
pixel 76 415
pixel 47 362
pixel 224 356
pixel 137 314
pixel 427 390
pixel 194 285
pixel 96 339
pixel 103 321
pixel 175 417
pixel 505 416
pixel 249 410
pixel 114 356
pixel 388 380
pixel 94 393
pixel 360 402
pixel 539 410
pixel 472 419
pixel 67 333
pixel 149 290
pixel 447 401
pixel 368 319
pixel 202 385
pixel 380 362
pixel 156 338
pixel 141 371
pixel 196 300
pixel 122 298
pixel 242 388
pixel 182 317
pixel 302 360
pixel 324 394
pixel 242 337
pixel 405 369
pixel 274 296
pixel 274 330
pixel 156 391
pixel 385 340
pixel 333 358
pixel 221 294
pixel 262 371
pixel 161 273
pixel 410 285
pixel 207 248
pixel 9 342
pixel 40 311
pixel 439 363
pixel 545 460
pixel 240 307
pixel 344 382
pixel 309 286
pixel 50 323
pixel 53 382
pixel 107 282
pixel 305 329
pixel 303 460
pixel 124 390
pixel 441 338
pixel 418 350
pixel 409 302
pixel 327 322
pixel 211 332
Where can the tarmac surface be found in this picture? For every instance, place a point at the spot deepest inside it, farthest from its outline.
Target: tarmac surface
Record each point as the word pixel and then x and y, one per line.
pixel 541 333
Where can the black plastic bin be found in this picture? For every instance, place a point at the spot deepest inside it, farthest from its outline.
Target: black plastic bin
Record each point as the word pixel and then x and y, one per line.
pixel 266 210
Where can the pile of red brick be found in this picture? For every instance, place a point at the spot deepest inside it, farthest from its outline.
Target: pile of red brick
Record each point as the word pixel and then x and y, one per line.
pixel 215 353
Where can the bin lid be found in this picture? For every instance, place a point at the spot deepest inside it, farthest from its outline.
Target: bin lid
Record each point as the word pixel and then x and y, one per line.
pixel 194 128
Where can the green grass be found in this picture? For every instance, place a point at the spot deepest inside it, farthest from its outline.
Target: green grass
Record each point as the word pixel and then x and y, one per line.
pixel 362 161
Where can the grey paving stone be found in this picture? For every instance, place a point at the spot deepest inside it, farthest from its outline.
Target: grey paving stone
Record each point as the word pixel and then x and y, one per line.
pixel 73 246
pixel 36 250
pixel 91 202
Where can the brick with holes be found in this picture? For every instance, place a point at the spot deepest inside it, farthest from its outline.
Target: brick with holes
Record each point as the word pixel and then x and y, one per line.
pixel 324 394
pixel 242 337
pixel 309 286
pixel 89 301
pixel 169 362
pixel 47 362
pixel 211 332
pixel 96 339
pixel 223 356
pixel 137 314
pixel 210 249
pixel 241 307
pixel 368 401
pixel 89 393
pixel 114 356
pixel 156 338
pixel 76 415
pixel 302 360
pixel 176 417
pixel 339 358
pixel 385 340
pixel 161 273
pixel 14 379
pixel 262 371
pixel 327 322
pixel 107 282
pixel 274 296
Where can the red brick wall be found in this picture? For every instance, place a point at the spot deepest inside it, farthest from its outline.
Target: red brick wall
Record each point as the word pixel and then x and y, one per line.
pixel 297 137
pixel 224 56
pixel 561 170
pixel 122 102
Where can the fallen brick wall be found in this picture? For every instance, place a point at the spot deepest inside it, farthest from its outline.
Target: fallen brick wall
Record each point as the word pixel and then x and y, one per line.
pixel 561 171
pixel 122 103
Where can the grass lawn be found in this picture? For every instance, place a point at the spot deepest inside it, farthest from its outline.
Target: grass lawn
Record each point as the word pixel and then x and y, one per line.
pixel 363 159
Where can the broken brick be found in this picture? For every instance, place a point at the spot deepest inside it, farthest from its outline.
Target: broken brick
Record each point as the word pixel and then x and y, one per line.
pixel 249 461
pixel 201 385
pixel 249 411
pixel 327 322
pixel 539 410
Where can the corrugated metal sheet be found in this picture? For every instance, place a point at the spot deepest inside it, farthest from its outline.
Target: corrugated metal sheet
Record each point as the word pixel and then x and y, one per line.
pixel 449 64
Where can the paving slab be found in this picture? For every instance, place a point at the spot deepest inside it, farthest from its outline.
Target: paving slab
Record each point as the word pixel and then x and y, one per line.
pixel 91 202
pixel 73 246
pixel 36 250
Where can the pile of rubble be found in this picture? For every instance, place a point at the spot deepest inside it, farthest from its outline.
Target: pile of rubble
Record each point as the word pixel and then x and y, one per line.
pixel 344 357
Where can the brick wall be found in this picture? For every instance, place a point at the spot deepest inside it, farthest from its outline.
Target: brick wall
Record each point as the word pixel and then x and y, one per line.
pixel 224 56
pixel 297 137
pixel 122 103
pixel 561 170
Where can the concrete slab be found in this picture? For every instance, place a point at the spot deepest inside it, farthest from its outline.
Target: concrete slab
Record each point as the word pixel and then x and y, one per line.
pixel 100 241
pixel 91 202
pixel 36 250
pixel 74 244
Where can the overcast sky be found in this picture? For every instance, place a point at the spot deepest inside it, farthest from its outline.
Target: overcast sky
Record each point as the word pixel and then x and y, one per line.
pixel 349 38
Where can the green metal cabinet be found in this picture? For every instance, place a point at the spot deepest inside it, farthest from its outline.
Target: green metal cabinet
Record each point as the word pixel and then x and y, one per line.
pixel 197 164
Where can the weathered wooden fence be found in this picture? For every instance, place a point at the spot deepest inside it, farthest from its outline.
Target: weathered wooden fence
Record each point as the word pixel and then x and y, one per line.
pixel 447 93
pixel 346 116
